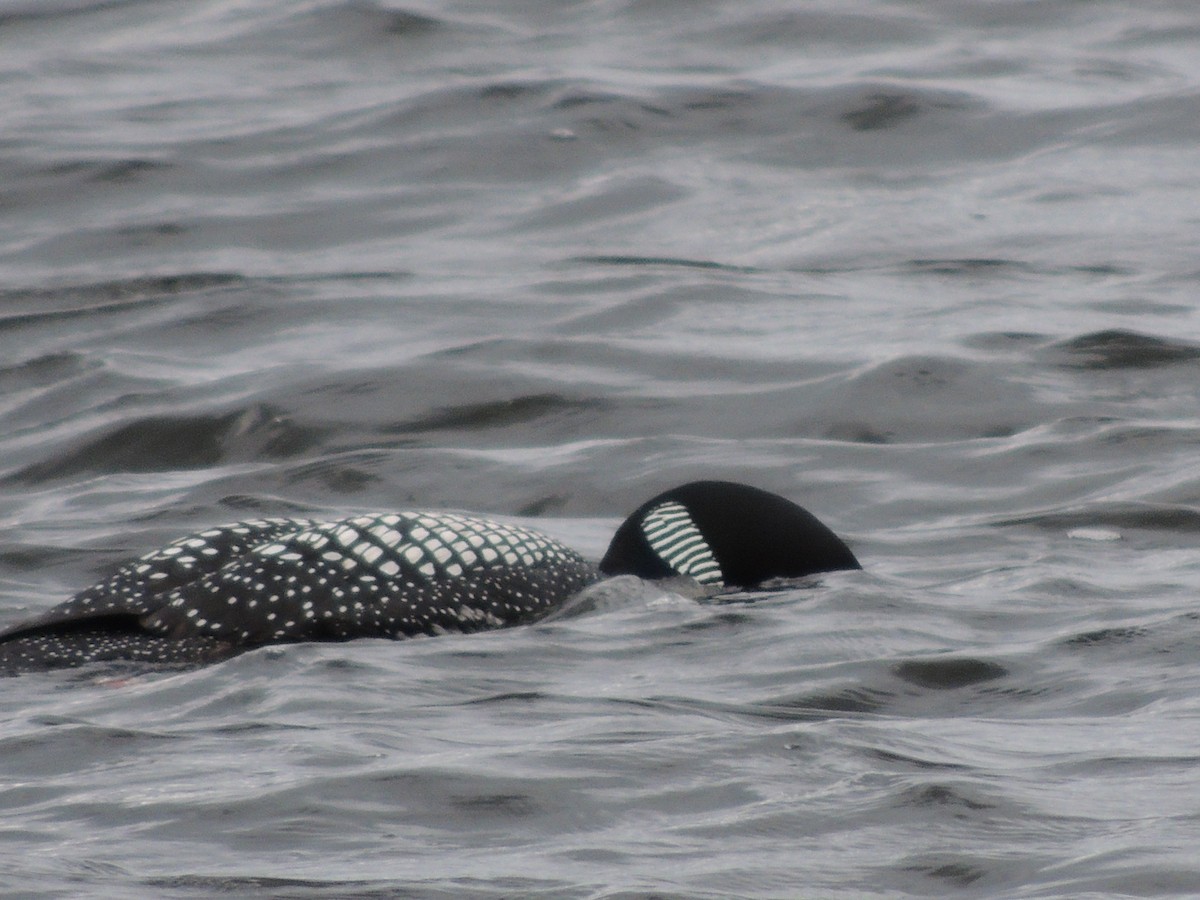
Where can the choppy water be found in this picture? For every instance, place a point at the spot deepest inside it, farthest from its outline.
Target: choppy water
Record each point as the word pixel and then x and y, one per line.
pixel 927 268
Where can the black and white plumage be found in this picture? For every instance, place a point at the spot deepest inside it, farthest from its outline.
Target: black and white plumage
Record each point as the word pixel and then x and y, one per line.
pixel 724 534
pixel 211 595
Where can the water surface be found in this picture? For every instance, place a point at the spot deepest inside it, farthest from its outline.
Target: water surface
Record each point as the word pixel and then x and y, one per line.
pixel 927 268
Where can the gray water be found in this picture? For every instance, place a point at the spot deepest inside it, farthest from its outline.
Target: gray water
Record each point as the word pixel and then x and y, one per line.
pixel 928 268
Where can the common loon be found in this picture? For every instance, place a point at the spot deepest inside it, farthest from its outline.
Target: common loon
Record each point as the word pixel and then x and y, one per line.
pixel 221 592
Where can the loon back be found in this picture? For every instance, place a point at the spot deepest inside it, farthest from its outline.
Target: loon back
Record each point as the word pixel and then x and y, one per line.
pixel 218 593
pixel 212 595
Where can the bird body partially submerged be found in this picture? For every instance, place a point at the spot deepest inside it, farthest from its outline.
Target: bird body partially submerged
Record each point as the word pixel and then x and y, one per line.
pixel 226 590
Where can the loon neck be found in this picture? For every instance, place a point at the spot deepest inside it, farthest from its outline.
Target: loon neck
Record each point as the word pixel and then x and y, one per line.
pixel 724 534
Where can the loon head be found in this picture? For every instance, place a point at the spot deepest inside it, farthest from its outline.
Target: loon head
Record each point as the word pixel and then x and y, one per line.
pixel 725 535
